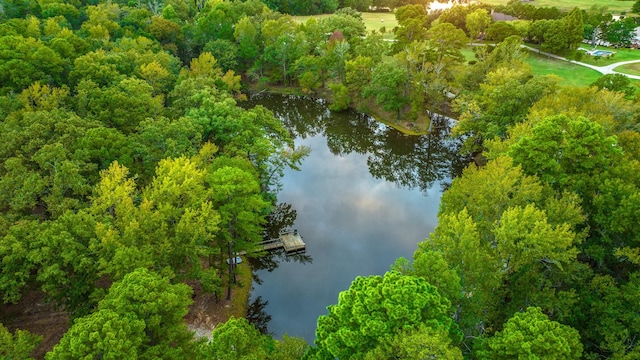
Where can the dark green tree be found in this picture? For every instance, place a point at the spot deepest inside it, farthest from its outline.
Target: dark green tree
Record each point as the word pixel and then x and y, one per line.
pixel 615 82
pixel 388 85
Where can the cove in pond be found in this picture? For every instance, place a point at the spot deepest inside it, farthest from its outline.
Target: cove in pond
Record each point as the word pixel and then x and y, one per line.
pixel 365 196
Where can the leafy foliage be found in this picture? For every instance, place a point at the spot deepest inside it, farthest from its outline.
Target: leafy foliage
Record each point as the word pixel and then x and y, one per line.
pixel 375 308
pixel 17 345
pixel 531 334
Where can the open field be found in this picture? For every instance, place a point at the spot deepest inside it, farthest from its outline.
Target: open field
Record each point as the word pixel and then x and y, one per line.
pixel 571 74
pixel 615 6
pixel 373 21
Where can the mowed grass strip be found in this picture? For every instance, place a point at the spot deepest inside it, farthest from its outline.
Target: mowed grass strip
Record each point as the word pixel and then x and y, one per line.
pixel 616 6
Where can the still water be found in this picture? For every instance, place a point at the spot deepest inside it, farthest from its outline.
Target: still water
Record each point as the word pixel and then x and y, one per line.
pixel 365 196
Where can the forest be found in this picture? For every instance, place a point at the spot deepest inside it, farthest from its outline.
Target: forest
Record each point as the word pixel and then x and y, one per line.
pixel 129 174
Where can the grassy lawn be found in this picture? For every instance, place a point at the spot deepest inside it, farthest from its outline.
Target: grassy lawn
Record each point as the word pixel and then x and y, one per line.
pixel 620 55
pixel 376 21
pixel 372 21
pixel 571 74
pixel 468 54
pixel 615 6
pixel 631 69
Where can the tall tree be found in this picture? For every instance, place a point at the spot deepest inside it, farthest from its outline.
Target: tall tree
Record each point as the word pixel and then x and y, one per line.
pixel 477 22
pixel 412 21
pixel 574 26
pixel 236 194
pixel 389 85
pixel 141 317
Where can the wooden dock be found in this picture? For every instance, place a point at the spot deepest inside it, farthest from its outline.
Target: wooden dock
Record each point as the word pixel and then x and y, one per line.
pixel 291 241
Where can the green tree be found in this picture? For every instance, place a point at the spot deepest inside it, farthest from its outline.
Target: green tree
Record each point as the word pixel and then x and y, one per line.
pixel 446 41
pixel 500 30
pixel 25 60
pixel 530 334
pixel 609 307
pixel 340 97
pixel 141 317
pixel 358 75
pixel 574 27
pixel 615 82
pixel 477 22
pixel 432 266
pixel 373 46
pixel 619 32
pixel 283 45
pixel 456 15
pixel 104 334
pixel 419 343
pixel 412 21
pixel 505 54
pixel 17 345
pixel 567 153
pixel 636 7
pixel 376 308
pixel 607 108
pixel 507 238
pixel 388 85
pixel 289 348
pixel 503 100
pixel 122 106
pixel 168 226
pixel 67 270
pixel 245 34
pixel 236 196
pixel 237 339
pixel 350 26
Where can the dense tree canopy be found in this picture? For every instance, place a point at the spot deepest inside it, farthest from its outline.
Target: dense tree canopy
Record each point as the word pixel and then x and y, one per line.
pixel 128 170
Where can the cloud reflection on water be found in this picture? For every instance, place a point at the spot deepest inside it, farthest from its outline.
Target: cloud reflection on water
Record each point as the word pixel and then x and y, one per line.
pixel 353 224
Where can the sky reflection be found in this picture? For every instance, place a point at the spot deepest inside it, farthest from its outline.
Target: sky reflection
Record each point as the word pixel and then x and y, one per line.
pixel 352 223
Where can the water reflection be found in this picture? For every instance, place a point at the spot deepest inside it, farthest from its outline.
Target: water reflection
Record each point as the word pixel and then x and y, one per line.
pixel 359 201
pixel 282 218
pixel 408 161
pixel 257 315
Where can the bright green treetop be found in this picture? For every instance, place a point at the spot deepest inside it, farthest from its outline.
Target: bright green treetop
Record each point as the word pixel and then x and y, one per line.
pixel 532 335
pixel 140 318
pixel 376 308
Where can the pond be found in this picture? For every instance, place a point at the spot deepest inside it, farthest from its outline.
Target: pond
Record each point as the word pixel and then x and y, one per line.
pixel 365 196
